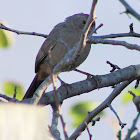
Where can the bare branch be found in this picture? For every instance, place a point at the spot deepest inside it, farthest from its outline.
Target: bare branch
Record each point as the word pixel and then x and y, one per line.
pixel 15 92
pixel 120 123
pixel 8 98
pixel 54 124
pixel 91 84
pixel 98 28
pixel 130 46
pixel 114 67
pixel 130 10
pixel 21 32
pixel 90 135
pixel 58 107
pixel 118 35
pixel 101 107
pixel 119 135
pixel 133 127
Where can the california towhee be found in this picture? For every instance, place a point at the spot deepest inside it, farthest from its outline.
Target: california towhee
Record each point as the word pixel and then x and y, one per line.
pixel 68 32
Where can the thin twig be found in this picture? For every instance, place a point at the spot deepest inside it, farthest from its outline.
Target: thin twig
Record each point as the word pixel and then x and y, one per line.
pixel 98 28
pixel 118 35
pixel 21 32
pixel 132 93
pixel 133 127
pixel 101 107
pixel 90 136
pixel 101 37
pixel 119 135
pixel 130 10
pixel 120 123
pixel 8 98
pixel 130 46
pixel 114 67
pixel 95 120
pixel 15 92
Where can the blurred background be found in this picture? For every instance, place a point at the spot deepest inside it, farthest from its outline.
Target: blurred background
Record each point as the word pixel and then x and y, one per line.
pixel 18 59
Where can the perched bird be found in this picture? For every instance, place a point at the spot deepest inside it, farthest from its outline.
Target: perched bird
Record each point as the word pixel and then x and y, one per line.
pixel 69 32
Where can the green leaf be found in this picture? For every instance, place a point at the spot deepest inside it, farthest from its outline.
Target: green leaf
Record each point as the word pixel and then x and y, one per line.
pixel 79 111
pixel 3 39
pixel 6 37
pixel 9 89
pixel 127 97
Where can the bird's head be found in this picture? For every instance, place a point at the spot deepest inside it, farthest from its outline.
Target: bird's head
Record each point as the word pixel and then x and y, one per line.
pixel 78 21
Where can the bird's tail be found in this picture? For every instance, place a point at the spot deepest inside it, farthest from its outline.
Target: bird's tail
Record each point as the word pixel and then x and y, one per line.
pixel 32 88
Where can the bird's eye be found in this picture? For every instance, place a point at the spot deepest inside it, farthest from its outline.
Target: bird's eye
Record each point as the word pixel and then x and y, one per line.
pixel 84 22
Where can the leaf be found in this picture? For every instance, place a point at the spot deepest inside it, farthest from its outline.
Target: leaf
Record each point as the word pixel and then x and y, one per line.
pixel 6 37
pixel 79 111
pixel 126 97
pixel 9 89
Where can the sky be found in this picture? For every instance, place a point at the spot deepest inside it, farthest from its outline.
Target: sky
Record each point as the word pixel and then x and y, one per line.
pixel 17 63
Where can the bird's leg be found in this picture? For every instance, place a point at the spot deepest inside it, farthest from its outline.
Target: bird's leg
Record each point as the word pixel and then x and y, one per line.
pixel 85 73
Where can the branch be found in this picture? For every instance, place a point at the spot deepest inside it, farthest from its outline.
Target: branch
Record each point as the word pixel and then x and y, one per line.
pixel 130 10
pixel 54 124
pixel 21 32
pixel 44 35
pixel 58 106
pixel 9 99
pixel 120 123
pixel 101 107
pixel 133 127
pixel 93 40
pixel 119 35
pixel 90 135
pixel 88 85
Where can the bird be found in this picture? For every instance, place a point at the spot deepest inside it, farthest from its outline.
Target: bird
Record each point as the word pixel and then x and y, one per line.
pixel 68 32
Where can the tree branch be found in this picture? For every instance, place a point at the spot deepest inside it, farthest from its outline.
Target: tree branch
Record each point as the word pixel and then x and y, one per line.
pixel 21 32
pixel 118 35
pixel 93 40
pixel 97 110
pixel 120 122
pixel 54 124
pixel 90 84
pixel 130 10
pixel 133 127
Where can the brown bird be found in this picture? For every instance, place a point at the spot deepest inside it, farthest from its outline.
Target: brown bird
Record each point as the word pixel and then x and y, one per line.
pixel 69 33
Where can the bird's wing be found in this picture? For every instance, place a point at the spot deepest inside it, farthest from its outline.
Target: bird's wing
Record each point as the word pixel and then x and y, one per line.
pixel 47 46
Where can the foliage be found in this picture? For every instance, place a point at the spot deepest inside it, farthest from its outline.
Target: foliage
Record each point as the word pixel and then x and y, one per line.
pixel 80 110
pixel 6 37
pixel 9 89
